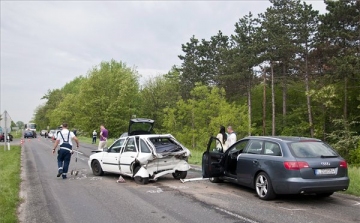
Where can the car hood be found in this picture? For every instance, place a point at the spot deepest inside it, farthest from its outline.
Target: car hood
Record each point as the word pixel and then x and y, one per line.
pixel 140 126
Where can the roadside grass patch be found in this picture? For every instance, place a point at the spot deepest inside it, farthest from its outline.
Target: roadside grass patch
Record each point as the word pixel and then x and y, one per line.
pixel 354 175
pixel 89 140
pixel 195 157
pixel 9 183
pixel 16 134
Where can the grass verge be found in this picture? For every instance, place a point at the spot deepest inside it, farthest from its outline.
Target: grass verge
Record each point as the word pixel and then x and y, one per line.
pixel 196 157
pixel 354 175
pixel 89 140
pixel 9 183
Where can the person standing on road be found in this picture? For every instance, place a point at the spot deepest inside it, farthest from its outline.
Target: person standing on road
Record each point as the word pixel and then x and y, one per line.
pixel 94 135
pixel 222 138
pixel 231 139
pixel 103 137
pixel 64 139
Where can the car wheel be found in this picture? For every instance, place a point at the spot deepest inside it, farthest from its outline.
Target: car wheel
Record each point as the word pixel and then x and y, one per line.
pixel 324 194
pixel 96 168
pixel 215 180
pixel 263 187
pixel 138 179
pixel 179 174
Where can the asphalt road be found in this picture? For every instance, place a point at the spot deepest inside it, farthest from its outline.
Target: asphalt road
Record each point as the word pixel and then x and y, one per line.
pixel 87 198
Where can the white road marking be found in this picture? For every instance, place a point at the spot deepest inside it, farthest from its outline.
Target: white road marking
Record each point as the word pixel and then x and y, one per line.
pixel 357 203
pixel 157 191
pixel 293 209
pixel 236 215
pixel 179 187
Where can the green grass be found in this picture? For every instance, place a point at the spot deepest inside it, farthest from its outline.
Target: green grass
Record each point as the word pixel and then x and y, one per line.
pixel 89 140
pixel 354 175
pixel 196 157
pixel 9 183
pixel 16 134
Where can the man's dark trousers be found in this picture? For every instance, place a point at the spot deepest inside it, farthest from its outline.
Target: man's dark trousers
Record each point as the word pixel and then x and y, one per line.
pixel 63 158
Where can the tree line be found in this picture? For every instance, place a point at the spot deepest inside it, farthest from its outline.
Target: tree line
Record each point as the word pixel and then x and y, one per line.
pixel 287 71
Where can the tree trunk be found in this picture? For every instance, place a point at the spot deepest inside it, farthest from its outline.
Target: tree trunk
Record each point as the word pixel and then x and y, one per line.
pixel 264 102
pixel 249 104
pixel 284 95
pixel 272 99
pixel 308 99
pixel 345 97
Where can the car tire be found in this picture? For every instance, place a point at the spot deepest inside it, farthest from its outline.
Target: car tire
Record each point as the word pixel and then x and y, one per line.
pixel 96 168
pixel 138 179
pixel 321 195
pixel 215 180
pixel 264 187
pixel 179 174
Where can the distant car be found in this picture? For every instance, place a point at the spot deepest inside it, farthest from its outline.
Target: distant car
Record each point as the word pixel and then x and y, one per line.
pixel 142 155
pixel 43 133
pixel 2 137
pixel 278 165
pixel 52 133
pixel 29 134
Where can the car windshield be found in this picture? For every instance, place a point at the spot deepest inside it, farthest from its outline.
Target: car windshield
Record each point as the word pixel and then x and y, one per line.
pixel 311 149
pixel 163 144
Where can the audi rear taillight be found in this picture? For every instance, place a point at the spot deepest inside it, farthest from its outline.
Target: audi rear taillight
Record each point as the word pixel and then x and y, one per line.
pixel 343 164
pixel 295 165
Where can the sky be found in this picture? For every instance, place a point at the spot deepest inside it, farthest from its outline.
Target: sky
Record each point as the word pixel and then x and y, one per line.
pixel 46 44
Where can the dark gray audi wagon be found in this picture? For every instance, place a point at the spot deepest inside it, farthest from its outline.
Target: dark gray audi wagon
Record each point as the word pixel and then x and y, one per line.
pixel 278 165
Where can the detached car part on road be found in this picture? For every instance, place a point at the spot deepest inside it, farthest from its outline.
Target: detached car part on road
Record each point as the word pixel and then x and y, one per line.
pixel 142 155
pixel 278 165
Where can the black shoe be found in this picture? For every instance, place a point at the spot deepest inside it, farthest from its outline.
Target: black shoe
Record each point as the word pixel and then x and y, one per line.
pixel 64 177
pixel 59 173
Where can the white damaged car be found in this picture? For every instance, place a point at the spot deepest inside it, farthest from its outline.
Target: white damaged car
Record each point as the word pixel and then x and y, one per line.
pixel 142 155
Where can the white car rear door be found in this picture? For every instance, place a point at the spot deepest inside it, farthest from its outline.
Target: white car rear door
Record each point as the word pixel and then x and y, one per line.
pixel 128 155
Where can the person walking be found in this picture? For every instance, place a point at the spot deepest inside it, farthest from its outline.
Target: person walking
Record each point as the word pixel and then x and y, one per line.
pixel 231 139
pixel 64 138
pixel 103 137
pixel 94 135
pixel 222 136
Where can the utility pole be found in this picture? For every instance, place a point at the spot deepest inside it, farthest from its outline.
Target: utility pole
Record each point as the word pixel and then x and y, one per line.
pixel 6 133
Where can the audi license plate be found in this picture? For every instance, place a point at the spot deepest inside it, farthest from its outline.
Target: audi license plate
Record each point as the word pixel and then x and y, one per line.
pixel 328 171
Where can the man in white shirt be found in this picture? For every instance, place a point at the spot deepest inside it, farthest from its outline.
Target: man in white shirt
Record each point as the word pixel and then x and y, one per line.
pixel 64 138
pixel 231 139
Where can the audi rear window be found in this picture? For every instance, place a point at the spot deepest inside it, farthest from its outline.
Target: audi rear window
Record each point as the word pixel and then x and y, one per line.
pixel 310 149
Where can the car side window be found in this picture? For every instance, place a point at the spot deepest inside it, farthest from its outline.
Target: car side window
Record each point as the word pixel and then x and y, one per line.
pixel 130 146
pixel 115 148
pixel 144 147
pixel 272 149
pixel 238 146
pixel 254 147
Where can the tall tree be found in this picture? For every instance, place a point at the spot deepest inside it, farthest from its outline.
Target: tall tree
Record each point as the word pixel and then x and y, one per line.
pixel 306 29
pixel 109 96
pixel 159 93
pixel 339 32
pixel 278 33
pixel 247 49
